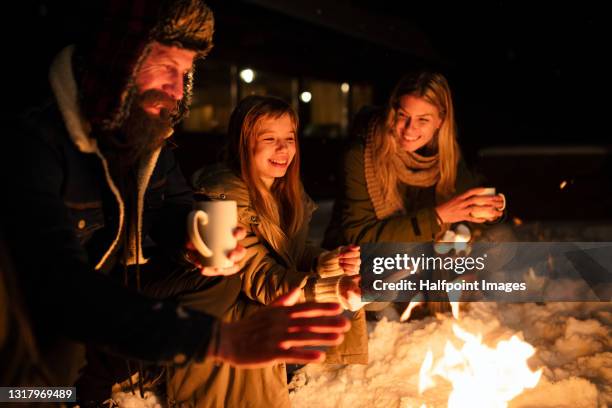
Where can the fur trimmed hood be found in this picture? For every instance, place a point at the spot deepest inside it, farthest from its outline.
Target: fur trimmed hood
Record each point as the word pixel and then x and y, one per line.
pixel 108 59
pixel 65 90
pixel 64 87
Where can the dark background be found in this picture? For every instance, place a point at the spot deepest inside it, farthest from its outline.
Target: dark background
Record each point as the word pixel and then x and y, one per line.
pixel 529 79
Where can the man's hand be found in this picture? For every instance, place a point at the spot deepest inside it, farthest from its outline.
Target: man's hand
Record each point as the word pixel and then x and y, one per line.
pixel 279 333
pixel 234 255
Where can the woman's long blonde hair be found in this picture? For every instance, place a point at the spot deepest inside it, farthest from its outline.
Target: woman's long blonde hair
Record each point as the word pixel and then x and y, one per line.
pixel 433 88
pixel 282 204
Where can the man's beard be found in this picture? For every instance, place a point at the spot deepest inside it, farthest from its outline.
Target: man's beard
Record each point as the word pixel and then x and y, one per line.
pixel 142 132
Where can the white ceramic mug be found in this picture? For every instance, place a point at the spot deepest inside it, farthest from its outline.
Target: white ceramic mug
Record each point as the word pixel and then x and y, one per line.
pixel 211 230
pixel 482 212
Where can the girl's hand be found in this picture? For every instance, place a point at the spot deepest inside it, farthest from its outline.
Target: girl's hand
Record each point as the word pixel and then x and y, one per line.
pixel 350 259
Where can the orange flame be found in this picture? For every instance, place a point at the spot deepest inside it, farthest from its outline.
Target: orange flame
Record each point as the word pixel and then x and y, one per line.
pixel 417 300
pixel 481 375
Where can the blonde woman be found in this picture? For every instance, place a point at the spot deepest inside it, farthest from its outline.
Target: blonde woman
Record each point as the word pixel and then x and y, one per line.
pixel 405 182
pixel 262 175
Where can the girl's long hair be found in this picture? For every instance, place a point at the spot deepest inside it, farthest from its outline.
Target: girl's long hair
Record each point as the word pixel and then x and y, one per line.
pixel 282 204
pixel 433 88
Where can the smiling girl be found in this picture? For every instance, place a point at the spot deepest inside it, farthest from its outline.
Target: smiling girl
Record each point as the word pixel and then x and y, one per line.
pixel 262 176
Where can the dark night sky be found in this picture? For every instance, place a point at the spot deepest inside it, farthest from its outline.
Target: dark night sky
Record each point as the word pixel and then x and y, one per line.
pixel 522 72
pixel 531 72
pixel 540 66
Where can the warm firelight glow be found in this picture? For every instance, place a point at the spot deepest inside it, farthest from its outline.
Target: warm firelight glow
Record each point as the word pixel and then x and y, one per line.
pixel 425 378
pixel 517 221
pixel 354 301
pixel 455 309
pixel 481 376
pixel 417 300
pixel 563 184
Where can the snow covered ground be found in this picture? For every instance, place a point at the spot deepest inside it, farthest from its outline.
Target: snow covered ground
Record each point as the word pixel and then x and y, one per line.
pixel 129 400
pixel 572 341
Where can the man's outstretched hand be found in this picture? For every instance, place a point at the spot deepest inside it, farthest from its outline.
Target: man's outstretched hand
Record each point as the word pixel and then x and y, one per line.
pixel 279 333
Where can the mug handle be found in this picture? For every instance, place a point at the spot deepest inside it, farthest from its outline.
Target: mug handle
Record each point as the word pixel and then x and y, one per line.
pixel 195 219
pixel 504 205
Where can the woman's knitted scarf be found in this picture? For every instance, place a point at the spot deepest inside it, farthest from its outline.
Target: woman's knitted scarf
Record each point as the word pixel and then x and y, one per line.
pixel 411 168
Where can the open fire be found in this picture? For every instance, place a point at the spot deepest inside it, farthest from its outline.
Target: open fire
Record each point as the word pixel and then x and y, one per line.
pixel 480 375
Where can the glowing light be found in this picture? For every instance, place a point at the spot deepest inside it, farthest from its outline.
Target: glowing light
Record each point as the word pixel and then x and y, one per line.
pixel 455 309
pixel 563 184
pixel 345 87
pixel 305 96
pixel 425 378
pixel 247 75
pixel 481 375
pixel 417 300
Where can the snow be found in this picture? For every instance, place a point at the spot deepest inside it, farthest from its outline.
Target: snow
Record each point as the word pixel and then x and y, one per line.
pixel 129 400
pixel 572 341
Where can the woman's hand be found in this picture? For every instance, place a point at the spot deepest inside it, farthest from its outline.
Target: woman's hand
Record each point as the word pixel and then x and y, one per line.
pixel 350 259
pixel 459 208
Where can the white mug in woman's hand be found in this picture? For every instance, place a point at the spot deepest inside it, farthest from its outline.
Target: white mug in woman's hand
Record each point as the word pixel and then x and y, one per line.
pixel 211 231
pixel 485 212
